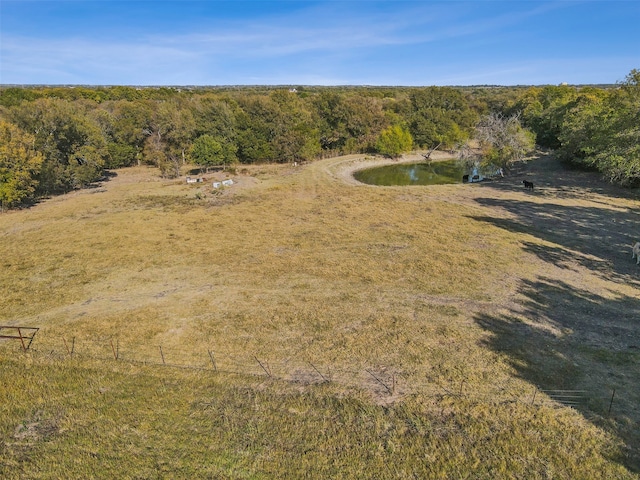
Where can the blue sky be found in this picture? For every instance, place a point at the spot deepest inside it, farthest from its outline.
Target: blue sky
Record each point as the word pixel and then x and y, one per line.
pixel 241 42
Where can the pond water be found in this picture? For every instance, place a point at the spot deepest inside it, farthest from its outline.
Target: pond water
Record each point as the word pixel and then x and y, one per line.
pixel 432 173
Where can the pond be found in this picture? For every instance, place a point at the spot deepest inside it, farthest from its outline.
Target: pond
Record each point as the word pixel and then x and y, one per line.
pixel 432 173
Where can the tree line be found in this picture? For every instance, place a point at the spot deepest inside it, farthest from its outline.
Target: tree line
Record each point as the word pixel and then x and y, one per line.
pixel 53 140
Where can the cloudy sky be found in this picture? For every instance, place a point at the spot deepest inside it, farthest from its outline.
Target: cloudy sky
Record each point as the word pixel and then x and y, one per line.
pixel 329 42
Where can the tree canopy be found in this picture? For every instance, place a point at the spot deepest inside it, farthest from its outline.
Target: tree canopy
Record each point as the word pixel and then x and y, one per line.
pixel 602 132
pixel 75 133
pixel 208 151
pixel 20 164
pixel 394 141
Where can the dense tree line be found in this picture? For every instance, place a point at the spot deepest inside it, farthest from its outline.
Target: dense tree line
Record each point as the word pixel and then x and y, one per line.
pixel 75 133
pixel 589 127
pixel 53 140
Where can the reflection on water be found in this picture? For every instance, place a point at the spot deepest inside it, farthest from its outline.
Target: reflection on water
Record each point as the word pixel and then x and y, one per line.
pixel 433 173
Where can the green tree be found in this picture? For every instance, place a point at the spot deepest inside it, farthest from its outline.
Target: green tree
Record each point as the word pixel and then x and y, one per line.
pixel 155 153
pixel 542 110
pixel 71 142
pixel 581 130
pixel 602 132
pixel 258 124
pixel 394 141
pixel 214 116
pixel 169 134
pixel 207 152
pixel 619 158
pixel 296 137
pixel 124 125
pixel 19 165
pixel 12 96
pixel 348 123
pixel 440 116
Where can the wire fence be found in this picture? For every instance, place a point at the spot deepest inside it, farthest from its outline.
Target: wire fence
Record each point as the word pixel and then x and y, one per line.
pixel 380 380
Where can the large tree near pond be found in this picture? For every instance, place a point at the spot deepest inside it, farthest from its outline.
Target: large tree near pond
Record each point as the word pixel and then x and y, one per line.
pixel 348 122
pixel 440 116
pixel 503 140
pixel 394 141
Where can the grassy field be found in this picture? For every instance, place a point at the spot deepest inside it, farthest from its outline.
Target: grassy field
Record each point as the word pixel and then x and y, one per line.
pixel 300 325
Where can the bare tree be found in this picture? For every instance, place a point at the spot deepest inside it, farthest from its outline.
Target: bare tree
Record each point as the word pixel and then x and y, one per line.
pixel 468 157
pixel 427 156
pixel 503 140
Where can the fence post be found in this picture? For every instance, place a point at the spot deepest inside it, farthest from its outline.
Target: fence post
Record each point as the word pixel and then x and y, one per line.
pixel 535 390
pixel 161 354
pixel 215 368
pixel 114 350
pixel 611 402
pixel 21 339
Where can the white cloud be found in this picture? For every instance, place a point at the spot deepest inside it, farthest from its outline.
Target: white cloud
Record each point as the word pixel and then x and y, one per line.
pixel 407 43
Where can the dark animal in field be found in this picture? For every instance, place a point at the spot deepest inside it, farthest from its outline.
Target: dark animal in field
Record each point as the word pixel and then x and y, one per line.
pixel 465 179
pixel 528 185
pixel 635 252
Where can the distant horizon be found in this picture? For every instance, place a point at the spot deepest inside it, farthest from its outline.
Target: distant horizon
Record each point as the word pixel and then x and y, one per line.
pixel 295 85
pixel 318 42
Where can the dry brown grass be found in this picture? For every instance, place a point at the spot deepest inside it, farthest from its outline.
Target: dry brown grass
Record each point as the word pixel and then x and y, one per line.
pixel 484 289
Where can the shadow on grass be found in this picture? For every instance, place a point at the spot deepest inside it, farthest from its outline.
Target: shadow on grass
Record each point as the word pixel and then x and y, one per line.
pixel 565 338
pixel 562 180
pixel 559 336
pixel 596 238
pixel 98 184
